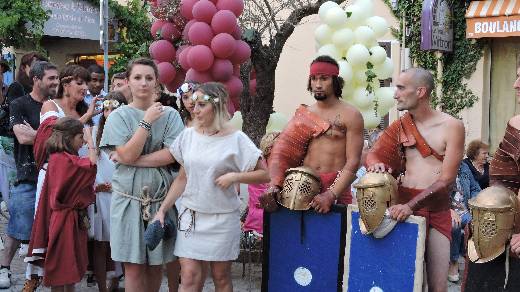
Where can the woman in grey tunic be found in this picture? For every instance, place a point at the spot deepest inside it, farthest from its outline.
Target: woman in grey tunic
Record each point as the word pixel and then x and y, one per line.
pixel 214 158
pixel 141 133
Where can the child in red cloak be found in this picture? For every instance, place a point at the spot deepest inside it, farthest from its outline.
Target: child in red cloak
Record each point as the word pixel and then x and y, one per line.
pixel 59 235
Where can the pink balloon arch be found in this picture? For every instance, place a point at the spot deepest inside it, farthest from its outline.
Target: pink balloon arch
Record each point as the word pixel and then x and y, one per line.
pixel 200 40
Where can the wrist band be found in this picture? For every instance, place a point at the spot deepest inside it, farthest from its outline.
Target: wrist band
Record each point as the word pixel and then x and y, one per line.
pixel 145 125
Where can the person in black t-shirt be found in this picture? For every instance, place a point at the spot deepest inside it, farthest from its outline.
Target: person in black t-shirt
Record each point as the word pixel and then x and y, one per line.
pixel 24 119
pixel 20 87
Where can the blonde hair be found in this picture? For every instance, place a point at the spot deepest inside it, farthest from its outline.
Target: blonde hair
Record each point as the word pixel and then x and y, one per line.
pixel 217 90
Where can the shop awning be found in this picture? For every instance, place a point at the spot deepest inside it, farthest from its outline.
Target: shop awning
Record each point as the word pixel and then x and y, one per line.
pixel 495 18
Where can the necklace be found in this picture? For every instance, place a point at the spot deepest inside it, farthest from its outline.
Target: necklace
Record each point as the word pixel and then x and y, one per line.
pixel 212 134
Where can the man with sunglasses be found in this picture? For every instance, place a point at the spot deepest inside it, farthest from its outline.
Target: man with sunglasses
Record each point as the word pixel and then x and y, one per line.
pixel 423 148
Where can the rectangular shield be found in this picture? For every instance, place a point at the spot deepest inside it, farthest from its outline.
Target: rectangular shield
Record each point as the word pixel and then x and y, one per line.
pixel 303 250
pixel 392 263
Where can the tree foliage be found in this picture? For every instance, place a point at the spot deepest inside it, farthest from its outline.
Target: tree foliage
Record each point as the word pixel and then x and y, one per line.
pixel 21 23
pixel 459 65
pixel 135 37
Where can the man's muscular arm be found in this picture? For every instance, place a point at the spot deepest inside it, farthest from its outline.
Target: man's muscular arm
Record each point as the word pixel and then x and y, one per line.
pixel 354 147
pixel 450 166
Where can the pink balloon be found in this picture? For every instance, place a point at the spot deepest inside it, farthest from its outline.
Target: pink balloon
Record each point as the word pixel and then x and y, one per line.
pixel 200 33
pixel 156 26
pixel 187 7
pixel 234 86
pixel 183 58
pixel 237 33
pixel 236 6
pixel 252 87
pixel 223 45
pixel 187 29
pixel 204 11
pixel 163 51
pixel 150 48
pixel 231 107
pixel 214 1
pixel 222 70
pixel 179 50
pixel 200 58
pixel 194 75
pixel 236 70
pixel 169 31
pixel 166 72
pixel 242 53
pixel 224 21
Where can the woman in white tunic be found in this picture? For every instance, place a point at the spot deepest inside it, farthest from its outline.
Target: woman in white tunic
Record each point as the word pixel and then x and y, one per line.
pixel 214 157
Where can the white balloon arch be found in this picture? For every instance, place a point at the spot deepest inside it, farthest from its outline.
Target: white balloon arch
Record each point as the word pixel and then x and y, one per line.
pixel 350 36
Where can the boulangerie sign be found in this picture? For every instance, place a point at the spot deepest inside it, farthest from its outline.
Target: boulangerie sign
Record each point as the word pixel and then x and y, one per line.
pixel 493 19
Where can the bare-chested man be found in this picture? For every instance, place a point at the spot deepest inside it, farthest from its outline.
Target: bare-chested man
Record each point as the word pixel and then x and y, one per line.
pixel 424 147
pixel 326 137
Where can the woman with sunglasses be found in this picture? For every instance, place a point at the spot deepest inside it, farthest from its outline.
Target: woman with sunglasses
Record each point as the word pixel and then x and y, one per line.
pixel 214 157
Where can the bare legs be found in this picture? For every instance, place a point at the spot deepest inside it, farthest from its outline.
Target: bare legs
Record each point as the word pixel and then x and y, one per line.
pixel 172 273
pixel 194 272
pixel 100 264
pixel 66 288
pixel 11 245
pixel 140 278
pixel 437 261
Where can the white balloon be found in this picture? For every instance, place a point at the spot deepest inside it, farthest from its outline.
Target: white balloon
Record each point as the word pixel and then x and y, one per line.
pixel 370 118
pixel 345 71
pixel 325 7
pixel 385 70
pixel 360 77
pixel 362 98
pixel 358 55
pixel 378 25
pixel 343 38
pixel 323 34
pixel 336 17
pixel 377 55
pixel 237 121
pixel 385 96
pixel 364 35
pixel 330 50
pixel 347 93
pixel 276 123
pixel 358 13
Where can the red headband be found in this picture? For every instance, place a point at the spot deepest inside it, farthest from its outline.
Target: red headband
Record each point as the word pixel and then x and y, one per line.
pixel 324 68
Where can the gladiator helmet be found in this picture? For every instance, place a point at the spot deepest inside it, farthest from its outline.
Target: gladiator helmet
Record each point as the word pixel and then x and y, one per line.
pixel 375 193
pixel 300 186
pixel 493 213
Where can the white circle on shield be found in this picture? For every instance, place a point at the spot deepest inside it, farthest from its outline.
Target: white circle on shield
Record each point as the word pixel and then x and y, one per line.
pixel 302 276
pixel 376 289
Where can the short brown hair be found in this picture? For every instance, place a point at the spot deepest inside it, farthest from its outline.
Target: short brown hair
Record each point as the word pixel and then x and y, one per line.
pixel 63 133
pixel 474 148
pixel 141 61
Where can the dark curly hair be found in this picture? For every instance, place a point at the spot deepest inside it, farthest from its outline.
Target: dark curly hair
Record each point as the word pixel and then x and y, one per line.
pixel 337 81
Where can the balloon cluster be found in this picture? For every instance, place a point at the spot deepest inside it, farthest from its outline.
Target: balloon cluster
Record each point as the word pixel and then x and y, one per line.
pixel 277 122
pixel 350 36
pixel 167 32
pixel 216 49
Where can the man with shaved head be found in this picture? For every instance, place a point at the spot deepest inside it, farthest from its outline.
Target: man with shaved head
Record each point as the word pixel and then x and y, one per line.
pixel 423 149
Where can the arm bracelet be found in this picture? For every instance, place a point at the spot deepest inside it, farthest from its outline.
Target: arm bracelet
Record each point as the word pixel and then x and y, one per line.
pixel 145 125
